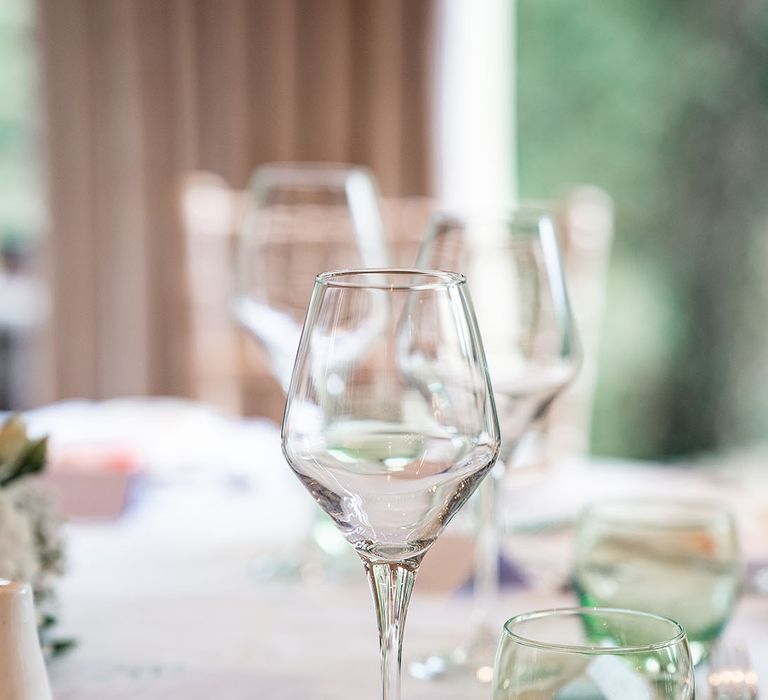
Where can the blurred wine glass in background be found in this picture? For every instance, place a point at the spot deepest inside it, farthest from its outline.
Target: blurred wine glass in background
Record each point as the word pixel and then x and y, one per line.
pixel 672 558
pixel 301 219
pixel 513 264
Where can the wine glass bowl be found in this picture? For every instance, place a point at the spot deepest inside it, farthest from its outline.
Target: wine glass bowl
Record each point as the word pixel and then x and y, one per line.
pixel 513 262
pixel 593 654
pixel 388 456
pixel 390 422
pixel 300 219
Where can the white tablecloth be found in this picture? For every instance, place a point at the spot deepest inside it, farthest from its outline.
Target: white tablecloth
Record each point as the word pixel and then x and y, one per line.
pixel 165 604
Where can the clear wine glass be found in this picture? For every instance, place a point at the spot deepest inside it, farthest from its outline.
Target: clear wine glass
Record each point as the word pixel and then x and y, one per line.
pixel 300 219
pixel 513 263
pixel 390 423
pixel 593 654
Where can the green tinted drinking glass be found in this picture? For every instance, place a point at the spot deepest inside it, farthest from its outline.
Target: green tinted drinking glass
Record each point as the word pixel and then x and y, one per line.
pixel 593 654
pixel 671 558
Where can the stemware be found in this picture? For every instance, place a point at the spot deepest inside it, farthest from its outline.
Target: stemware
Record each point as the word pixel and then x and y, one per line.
pixel 300 219
pixel 513 263
pixel 593 654
pixel 390 423
pixel 731 674
pixel 674 558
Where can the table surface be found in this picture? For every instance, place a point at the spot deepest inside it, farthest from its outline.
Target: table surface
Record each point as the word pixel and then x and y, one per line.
pixel 165 600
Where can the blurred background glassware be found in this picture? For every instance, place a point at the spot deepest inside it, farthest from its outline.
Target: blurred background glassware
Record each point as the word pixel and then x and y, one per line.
pixel 513 263
pixel 731 675
pixel 300 219
pixel 593 654
pixel 671 558
pixel 390 457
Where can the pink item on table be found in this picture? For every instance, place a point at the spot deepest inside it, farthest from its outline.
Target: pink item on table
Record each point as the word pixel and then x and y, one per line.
pixel 91 482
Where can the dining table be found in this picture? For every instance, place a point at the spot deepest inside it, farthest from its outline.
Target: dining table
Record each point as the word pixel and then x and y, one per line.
pixel 170 594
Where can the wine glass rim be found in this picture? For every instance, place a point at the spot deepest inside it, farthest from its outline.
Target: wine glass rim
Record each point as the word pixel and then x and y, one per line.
pixel 524 212
pixel 657 513
pixel 309 170
pixel 310 165
pixel 411 279
pixel 593 649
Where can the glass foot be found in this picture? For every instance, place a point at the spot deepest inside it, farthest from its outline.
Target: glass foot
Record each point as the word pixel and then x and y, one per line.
pixel 308 568
pixel 326 556
pixel 473 663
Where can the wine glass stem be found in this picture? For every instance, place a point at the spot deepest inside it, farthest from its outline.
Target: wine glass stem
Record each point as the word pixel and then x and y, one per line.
pixel 391 585
pixel 486 554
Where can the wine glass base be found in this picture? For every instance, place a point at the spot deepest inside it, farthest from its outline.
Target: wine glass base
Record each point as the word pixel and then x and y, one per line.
pixel 473 663
pixel 285 567
pixel 298 569
pixel 325 556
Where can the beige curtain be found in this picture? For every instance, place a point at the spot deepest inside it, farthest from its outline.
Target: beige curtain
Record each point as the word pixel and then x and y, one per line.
pixel 140 92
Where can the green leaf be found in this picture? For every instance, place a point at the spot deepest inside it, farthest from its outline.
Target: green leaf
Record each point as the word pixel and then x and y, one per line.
pixel 30 461
pixel 47 622
pixel 57 647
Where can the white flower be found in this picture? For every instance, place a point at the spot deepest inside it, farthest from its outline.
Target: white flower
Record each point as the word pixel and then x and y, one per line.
pixel 46 526
pixel 18 548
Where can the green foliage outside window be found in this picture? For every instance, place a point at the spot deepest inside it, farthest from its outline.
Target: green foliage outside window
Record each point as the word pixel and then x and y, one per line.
pixel 21 210
pixel 665 105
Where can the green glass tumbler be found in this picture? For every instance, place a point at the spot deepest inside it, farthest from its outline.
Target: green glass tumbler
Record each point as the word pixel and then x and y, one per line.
pixel 672 558
pixel 593 654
